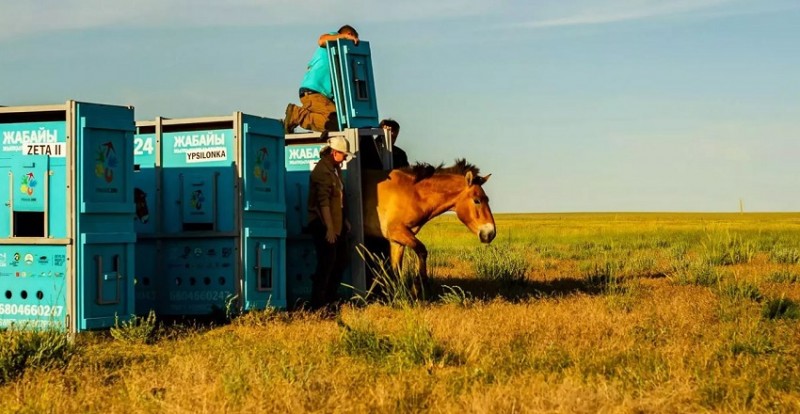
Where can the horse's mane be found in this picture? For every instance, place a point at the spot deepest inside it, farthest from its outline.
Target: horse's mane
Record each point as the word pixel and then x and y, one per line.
pixel 423 170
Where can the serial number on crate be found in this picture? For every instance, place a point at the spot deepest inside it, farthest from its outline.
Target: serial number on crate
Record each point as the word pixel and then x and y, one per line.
pixel 31 310
pixel 198 296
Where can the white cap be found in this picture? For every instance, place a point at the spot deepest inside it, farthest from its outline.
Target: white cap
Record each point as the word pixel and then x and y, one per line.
pixel 340 144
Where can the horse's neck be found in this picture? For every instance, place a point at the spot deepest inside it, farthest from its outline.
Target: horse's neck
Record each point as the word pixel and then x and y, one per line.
pixel 440 194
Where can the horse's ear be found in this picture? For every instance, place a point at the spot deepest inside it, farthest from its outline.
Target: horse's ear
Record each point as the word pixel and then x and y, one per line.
pixel 485 179
pixel 469 178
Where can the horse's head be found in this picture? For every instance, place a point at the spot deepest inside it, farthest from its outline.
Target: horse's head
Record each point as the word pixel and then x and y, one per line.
pixel 472 208
pixel 140 198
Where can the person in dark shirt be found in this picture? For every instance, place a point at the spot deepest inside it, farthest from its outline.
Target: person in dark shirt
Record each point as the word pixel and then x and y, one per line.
pixel 399 157
pixel 328 222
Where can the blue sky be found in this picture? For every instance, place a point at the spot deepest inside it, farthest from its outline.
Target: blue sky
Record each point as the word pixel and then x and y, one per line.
pixel 574 105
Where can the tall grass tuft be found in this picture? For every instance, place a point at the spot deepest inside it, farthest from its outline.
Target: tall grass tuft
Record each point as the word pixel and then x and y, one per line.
pixel 361 340
pixel 22 349
pixel 785 256
pixel 455 295
pixel 386 288
pixel 261 317
pixel 607 275
pixel 503 264
pixel 413 345
pixel 417 346
pixel 741 289
pixel 699 273
pixel 724 249
pixel 781 308
pixel 137 330
pixel 783 276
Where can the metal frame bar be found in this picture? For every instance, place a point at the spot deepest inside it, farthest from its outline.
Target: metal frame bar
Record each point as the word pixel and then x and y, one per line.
pixel 71 197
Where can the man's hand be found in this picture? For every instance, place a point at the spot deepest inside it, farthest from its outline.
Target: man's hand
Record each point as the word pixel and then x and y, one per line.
pixel 330 236
pixel 351 37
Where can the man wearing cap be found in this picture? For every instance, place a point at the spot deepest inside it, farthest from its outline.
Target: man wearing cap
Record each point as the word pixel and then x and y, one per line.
pixel 318 112
pixel 328 221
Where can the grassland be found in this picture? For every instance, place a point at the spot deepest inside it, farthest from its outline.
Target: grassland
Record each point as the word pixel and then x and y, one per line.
pixel 562 313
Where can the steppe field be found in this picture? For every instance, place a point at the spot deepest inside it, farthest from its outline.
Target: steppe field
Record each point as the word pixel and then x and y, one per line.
pixel 574 313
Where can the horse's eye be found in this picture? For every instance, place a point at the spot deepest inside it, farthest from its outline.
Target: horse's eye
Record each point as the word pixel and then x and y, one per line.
pixel 476 200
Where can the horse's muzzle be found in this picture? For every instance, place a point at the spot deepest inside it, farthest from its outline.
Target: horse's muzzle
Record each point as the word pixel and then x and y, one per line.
pixel 487 233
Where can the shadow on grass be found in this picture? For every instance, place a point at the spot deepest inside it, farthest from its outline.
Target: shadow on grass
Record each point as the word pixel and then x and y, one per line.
pixel 516 291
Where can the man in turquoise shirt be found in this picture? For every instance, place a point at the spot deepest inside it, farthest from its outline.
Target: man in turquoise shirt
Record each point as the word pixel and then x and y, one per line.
pixel 318 112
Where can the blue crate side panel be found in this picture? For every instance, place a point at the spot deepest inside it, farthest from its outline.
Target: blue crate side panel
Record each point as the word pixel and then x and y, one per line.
pixel 105 243
pixel 198 181
pixel 198 276
pixel 32 163
pixel 148 282
pixel 300 262
pixel 353 84
pixel 145 184
pixel 33 287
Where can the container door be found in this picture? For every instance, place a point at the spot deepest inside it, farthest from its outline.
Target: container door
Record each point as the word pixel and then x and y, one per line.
pixel 104 246
pixel 353 84
pixel 105 279
pixel 264 268
pixel 263 165
pixel 263 241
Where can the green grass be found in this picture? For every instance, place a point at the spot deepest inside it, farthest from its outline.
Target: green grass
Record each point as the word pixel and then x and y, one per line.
pixel 24 349
pixel 504 263
pixel 781 308
pixel 141 330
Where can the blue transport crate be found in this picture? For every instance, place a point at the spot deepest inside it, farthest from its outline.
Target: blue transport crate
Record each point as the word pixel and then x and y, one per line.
pixel 66 232
pixel 215 212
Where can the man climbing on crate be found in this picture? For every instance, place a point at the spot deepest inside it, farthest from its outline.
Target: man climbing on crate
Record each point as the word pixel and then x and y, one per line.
pixel 318 112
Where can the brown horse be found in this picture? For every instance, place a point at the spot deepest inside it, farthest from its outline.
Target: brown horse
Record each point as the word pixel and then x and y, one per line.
pixel 399 203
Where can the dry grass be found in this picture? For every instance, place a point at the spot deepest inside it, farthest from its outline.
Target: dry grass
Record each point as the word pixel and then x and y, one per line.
pixel 616 314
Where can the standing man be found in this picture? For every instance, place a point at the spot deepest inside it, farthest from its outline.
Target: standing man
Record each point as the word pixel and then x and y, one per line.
pixel 328 222
pixel 399 157
pixel 318 112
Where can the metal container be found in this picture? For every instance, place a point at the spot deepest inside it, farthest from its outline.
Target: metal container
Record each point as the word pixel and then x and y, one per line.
pixel 66 221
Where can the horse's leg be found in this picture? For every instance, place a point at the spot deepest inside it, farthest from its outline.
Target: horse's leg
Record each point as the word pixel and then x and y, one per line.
pixel 422 266
pixel 396 252
pixel 403 237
